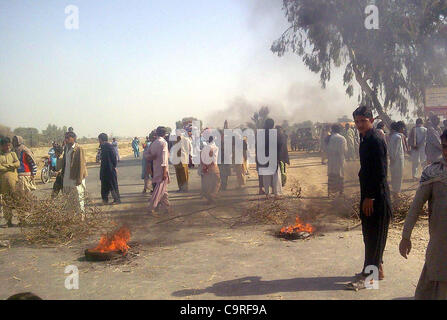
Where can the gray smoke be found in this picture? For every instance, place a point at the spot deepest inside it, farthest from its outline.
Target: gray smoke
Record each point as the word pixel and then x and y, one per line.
pixel 302 102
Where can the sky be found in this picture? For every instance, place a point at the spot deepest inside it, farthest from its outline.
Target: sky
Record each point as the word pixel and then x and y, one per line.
pixel 133 65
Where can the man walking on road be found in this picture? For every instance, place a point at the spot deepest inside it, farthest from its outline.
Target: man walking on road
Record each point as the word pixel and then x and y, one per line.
pixel 158 152
pixel 108 172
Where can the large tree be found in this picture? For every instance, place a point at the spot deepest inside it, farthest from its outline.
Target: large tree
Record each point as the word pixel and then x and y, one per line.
pixel 392 65
pixel 54 133
pixel 31 136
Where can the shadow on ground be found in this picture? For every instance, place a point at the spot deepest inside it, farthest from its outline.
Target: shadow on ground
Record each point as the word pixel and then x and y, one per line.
pixel 254 286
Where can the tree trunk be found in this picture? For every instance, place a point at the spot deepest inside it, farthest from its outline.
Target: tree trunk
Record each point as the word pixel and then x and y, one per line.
pixel 369 91
pixel 376 103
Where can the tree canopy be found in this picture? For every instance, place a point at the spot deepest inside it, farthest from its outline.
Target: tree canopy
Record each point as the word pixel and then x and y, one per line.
pixel 392 65
pixel 259 118
pixel 54 133
pixel 181 123
pixel 33 138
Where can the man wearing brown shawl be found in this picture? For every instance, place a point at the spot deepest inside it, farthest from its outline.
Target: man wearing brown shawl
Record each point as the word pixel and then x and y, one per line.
pixel 28 165
pixel 74 170
pixel 433 188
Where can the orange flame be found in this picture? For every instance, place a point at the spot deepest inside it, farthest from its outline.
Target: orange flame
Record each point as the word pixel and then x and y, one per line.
pixel 116 241
pixel 298 227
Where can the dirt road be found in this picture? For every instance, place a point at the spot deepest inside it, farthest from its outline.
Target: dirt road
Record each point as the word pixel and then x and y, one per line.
pixel 200 256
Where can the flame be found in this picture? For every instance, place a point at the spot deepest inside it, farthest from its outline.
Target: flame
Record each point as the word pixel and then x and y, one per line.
pixel 298 227
pixel 116 241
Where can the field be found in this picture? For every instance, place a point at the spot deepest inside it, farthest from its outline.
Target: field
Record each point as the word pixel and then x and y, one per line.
pixel 125 149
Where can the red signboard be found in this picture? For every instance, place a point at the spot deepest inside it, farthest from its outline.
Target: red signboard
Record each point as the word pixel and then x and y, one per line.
pixel 436 100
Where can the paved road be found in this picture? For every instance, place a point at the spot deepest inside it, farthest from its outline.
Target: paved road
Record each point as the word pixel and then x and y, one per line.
pixel 200 256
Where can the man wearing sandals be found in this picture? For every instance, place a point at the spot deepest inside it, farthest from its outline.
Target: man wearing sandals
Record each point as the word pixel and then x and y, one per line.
pixel 375 204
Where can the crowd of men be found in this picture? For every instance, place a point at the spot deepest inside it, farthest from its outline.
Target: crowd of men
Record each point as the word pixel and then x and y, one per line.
pixel 212 166
pixel 376 149
pixel 422 145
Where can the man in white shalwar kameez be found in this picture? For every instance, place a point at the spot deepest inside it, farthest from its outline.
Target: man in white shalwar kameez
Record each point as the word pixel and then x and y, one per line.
pixel 397 157
pixel 336 152
pixel 417 141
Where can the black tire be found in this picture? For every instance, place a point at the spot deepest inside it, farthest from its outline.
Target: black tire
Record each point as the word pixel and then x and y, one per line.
pixel 102 256
pixel 45 174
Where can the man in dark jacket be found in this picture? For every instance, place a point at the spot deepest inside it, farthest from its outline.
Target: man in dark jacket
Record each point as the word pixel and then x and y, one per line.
pixel 108 174
pixel 375 204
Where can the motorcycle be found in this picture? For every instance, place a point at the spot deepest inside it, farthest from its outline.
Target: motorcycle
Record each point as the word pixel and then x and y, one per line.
pixel 48 171
pixel 98 155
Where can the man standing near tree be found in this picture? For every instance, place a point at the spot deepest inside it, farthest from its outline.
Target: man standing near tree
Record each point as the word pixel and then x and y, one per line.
pixel 375 204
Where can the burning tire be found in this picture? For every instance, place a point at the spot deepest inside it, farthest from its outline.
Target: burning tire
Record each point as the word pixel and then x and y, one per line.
pixel 297 231
pixel 110 246
pixel 91 255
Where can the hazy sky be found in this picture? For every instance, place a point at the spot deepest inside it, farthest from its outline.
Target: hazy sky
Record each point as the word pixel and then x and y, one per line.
pixel 133 65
